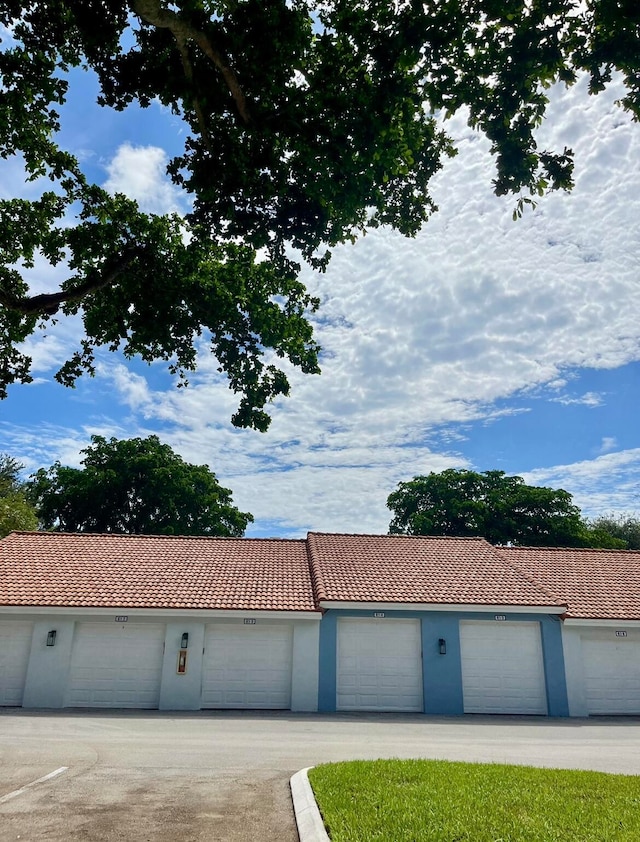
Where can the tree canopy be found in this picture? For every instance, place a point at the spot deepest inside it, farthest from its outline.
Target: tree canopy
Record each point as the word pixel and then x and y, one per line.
pixel 500 508
pixel 9 473
pixel 305 124
pixel 134 486
pixel 622 527
pixel 16 513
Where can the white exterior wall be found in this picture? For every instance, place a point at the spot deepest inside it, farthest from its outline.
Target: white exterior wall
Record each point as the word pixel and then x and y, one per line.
pixel 182 691
pixel 16 638
pixel 304 671
pixel 623 638
pixel 48 670
pixel 572 647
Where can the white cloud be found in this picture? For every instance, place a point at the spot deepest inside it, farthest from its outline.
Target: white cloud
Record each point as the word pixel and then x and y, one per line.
pixel 140 173
pixel 131 388
pixel 13 180
pixel 608 444
pixel 40 447
pixel 592 399
pixel 608 483
pixel 425 335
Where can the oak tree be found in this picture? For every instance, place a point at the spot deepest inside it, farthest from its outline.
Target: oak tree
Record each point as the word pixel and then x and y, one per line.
pixel 134 486
pixel 16 513
pixel 492 505
pixel 305 123
pixel 624 528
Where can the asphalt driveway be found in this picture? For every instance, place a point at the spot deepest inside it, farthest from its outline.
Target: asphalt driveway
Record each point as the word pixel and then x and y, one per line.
pixel 223 777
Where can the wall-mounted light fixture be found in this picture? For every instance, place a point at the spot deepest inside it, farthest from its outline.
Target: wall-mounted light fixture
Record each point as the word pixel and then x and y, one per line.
pixel 184 643
pixel 51 638
pixel 442 646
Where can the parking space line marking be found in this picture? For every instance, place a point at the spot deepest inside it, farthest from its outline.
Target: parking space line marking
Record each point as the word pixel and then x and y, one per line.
pixel 22 789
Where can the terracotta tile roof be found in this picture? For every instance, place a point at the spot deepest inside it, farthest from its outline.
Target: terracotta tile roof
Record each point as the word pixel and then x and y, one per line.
pixel 394 568
pixel 124 571
pixel 595 584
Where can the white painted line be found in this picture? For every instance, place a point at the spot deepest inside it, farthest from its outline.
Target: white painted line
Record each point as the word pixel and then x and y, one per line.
pixel 24 788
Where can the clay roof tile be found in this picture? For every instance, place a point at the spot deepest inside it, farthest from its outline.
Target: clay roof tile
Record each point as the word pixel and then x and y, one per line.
pixel 427 570
pixel 135 571
pixel 594 584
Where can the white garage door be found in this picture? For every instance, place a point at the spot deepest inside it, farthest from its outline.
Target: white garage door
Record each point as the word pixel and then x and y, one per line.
pixel 379 665
pixel 247 666
pixel 502 667
pixel 15 646
pixel 116 666
pixel 611 673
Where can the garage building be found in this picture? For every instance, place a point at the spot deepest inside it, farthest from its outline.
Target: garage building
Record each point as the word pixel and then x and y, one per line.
pixel 601 627
pixel 440 625
pixel 331 623
pixel 116 621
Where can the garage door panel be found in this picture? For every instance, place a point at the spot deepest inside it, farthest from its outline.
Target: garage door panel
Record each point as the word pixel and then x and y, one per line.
pixel 247 667
pixel 15 647
pixel 502 667
pixel 611 669
pixel 116 666
pixel 379 665
pixel 386 664
pixel 388 681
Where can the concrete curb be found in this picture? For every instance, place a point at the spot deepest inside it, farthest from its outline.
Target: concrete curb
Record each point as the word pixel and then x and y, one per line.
pixel 308 818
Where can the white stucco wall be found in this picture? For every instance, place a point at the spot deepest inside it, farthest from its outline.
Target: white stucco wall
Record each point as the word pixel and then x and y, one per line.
pixel 48 670
pixel 572 646
pixel 182 691
pixel 305 666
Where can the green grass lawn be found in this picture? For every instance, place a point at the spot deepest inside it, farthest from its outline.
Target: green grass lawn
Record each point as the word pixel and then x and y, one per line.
pixel 437 801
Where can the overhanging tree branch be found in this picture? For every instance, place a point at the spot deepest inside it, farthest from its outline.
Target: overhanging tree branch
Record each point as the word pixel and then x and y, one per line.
pixel 355 147
pixel 49 303
pixel 153 12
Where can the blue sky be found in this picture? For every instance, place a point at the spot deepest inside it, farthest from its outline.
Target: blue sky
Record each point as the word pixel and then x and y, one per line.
pixel 482 343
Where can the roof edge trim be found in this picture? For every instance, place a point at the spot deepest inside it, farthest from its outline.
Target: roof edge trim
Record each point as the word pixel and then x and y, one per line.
pixel 601 622
pixel 441 606
pixel 126 611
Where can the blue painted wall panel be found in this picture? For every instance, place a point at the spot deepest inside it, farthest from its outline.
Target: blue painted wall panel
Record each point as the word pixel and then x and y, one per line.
pixel 554 669
pixel 442 674
pixel 328 660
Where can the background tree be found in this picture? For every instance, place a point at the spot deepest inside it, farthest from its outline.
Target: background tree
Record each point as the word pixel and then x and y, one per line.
pixel 624 528
pixel 16 513
pixel 9 473
pixel 305 123
pixel 134 486
pixel 492 505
